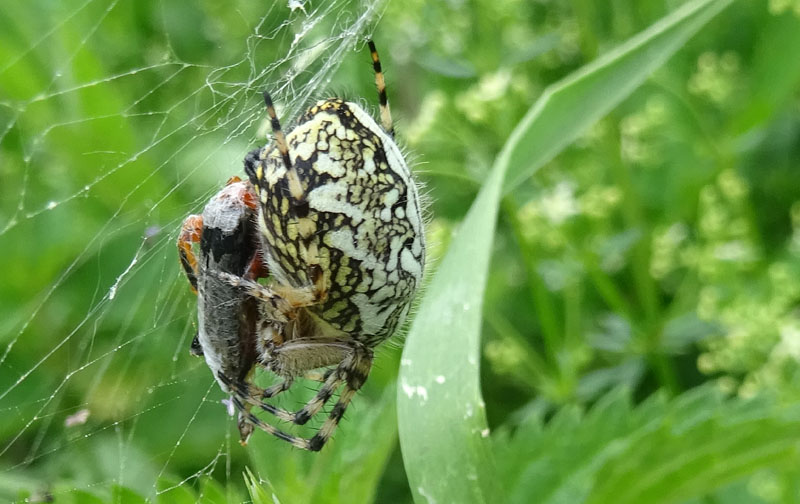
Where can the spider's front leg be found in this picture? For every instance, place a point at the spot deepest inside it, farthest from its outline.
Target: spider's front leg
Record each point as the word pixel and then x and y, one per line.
pixel 279 303
pixel 254 395
pixel 251 395
pixel 299 208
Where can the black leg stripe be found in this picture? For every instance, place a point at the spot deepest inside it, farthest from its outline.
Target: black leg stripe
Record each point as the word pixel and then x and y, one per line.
pixel 270 409
pixel 338 412
pixel 286 437
pixel 376 62
pixel 355 378
pixel 302 417
pixel 240 406
pixel 325 393
pixel 316 443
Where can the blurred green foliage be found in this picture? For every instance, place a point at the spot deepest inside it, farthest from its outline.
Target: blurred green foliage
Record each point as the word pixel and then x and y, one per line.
pixel 640 336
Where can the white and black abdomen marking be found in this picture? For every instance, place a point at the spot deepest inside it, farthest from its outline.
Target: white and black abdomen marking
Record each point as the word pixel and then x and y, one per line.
pixel 361 220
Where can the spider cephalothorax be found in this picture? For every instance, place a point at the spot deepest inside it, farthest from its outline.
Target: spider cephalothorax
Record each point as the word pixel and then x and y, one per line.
pixel 341 234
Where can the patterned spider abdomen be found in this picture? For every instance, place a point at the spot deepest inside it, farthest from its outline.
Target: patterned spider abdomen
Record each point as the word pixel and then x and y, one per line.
pixel 358 222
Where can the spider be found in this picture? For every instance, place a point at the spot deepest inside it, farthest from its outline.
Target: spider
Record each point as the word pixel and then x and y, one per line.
pixel 341 235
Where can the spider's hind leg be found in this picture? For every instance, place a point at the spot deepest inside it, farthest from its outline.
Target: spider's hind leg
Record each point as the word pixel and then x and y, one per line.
pixel 354 371
pixel 246 396
pixel 350 374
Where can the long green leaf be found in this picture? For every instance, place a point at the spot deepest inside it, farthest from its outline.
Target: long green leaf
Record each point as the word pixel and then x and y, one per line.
pixel 568 108
pixel 443 429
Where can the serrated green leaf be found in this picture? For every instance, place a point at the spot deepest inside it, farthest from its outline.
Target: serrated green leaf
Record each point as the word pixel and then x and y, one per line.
pixel 261 491
pixel 660 452
pixel 443 429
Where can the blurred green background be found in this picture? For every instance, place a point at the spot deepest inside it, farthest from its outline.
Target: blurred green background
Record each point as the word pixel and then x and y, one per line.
pixel 646 276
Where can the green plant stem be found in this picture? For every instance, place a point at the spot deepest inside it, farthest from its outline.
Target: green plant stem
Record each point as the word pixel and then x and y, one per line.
pixel 644 284
pixel 534 369
pixel 664 371
pixel 543 302
pixel 646 289
pixel 607 289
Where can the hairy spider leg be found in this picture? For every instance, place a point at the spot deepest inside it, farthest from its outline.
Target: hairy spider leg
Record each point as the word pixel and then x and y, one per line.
pixel 251 395
pixel 295 187
pixel 380 83
pixel 254 393
pixel 355 370
pixel 280 302
pixel 351 372
pixel 246 390
pixel 255 169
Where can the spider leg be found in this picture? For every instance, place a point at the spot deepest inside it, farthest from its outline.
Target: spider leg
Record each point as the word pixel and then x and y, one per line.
pixel 249 417
pixel 245 391
pixel 252 393
pixel 254 166
pixel 253 396
pixel 380 83
pixel 244 403
pixel 351 373
pixel 355 370
pixel 238 388
pixel 317 375
pixel 295 187
pixel 279 303
pixel 301 357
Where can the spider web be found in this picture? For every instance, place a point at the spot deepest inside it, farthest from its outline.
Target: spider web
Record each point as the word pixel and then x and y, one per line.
pixel 117 119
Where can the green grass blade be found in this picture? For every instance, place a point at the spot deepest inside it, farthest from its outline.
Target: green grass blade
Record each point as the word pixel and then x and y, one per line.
pixel 566 109
pixel 442 424
pixel 443 431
